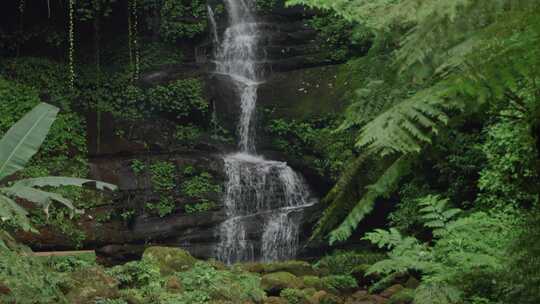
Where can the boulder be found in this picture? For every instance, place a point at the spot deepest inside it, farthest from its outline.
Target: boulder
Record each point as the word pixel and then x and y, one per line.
pixel 273 283
pixel 312 282
pixel 322 297
pixel 90 284
pixel 169 259
pixel 298 268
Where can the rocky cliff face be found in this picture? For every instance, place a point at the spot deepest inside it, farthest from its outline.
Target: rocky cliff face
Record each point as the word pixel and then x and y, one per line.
pixel 299 74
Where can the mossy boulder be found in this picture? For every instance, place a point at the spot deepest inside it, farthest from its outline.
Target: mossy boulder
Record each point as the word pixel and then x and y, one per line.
pixel 90 284
pixel 169 260
pixel 273 283
pixel 298 268
pixel 312 282
pixel 323 297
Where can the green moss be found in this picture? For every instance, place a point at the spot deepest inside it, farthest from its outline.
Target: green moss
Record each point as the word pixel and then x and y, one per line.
pixel 312 282
pixel 168 259
pixel 91 284
pixel 278 281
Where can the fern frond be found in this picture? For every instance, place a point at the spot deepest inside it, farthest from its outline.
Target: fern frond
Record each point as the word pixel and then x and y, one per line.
pixel 386 183
pixel 437 293
pixel 405 127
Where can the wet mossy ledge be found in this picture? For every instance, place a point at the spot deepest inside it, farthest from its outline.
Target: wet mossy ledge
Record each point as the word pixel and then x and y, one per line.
pixel 167 275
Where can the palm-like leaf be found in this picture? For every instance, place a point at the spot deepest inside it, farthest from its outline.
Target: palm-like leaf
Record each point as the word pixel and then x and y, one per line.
pixel 11 211
pixel 58 181
pixel 23 140
pixel 41 198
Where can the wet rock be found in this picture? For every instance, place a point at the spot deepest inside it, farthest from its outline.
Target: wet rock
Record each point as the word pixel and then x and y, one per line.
pixel 169 260
pixel 274 283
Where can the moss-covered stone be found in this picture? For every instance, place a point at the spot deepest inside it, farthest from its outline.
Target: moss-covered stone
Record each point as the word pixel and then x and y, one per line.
pixel 169 260
pixel 276 282
pixel 312 282
pixel 323 297
pixel 298 268
pixel 90 284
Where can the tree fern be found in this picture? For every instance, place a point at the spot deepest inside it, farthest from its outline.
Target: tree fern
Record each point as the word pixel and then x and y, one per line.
pixel 472 52
pixel 385 185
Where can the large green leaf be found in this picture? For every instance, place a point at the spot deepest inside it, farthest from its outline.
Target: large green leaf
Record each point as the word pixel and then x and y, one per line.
pixel 10 210
pixel 23 140
pixel 58 181
pixel 42 198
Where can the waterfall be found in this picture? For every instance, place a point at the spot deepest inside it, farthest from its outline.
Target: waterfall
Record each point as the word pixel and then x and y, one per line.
pixel 213 24
pixel 263 199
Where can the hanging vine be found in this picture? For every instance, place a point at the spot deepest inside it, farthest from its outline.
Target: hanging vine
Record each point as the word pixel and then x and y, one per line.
pixel 22 4
pixel 130 34
pixel 136 40
pixel 71 52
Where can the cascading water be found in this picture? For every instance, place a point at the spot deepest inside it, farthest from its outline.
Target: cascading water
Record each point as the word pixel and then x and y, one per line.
pixel 264 199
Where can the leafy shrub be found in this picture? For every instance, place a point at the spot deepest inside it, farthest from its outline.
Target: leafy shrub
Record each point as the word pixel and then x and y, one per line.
pixel 221 284
pixel 29 279
pixel 137 274
pixel 344 262
pixel 293 296
pixel 70 263
pixel 202 206
pixel 174 15
pixel 338 283
pixel 187 135
pixel 466 255
pixel 182 98
pixel 199 185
